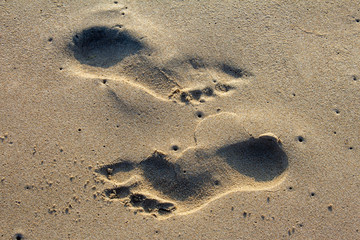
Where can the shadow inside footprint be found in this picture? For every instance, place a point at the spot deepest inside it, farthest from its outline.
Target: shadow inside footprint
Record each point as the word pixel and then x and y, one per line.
pixel 103 47
pixel 119 192
pixel 171 180
pixel 261 159
pixel 234 71
pixel 140 201
pixel 150 205
pixel 111 169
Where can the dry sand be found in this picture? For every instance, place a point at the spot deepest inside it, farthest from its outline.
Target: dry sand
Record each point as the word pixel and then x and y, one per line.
pixel 180 120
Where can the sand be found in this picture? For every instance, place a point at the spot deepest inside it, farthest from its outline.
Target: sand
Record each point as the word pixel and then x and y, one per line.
pixel 179 120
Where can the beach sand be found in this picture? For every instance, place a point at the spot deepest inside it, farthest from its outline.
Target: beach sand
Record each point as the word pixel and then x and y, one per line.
pixel 179 120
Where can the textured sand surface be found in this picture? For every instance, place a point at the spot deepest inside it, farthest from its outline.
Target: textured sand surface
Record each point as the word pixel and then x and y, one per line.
pixel 179 120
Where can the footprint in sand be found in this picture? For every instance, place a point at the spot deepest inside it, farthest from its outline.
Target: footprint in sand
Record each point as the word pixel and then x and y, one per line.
pixel 117 54
pixel 224 160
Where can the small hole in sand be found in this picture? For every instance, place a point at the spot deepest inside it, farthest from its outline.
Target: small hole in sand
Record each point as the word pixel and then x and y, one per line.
pixel 175 148
pixel 290 188
pixel 294 94
pixel 116 2
pixel 354 77
pixel 330 208
pixel 50 39
pixel 334 132
pixel 199 114
pixel 300 139
pixel 104 81
pixel 357 20
pixel 218 110
pixel 337 111
pixel 350 148
pixel 217 182
pixel 79 129
pixel 312 194
pixel 184 171
pixel 18 236
pixel 61 68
